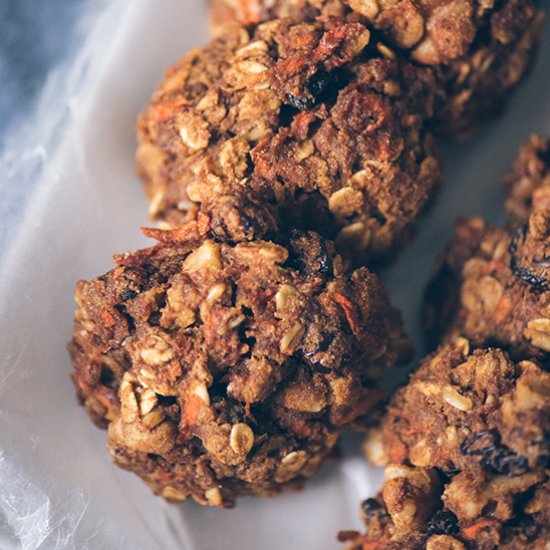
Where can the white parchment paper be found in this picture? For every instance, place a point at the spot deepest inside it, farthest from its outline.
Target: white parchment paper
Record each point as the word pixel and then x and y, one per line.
pixel 58 488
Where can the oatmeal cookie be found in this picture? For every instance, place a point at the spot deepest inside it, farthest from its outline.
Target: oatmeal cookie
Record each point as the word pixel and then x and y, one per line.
pixel 493 287
pixel 476 84
pixel 480 50
pixel 222 370
pixel 467 441
pixel 527 185
pixel 309 122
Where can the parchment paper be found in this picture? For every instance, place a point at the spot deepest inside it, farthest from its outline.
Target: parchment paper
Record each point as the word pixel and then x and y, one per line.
pixel 82 203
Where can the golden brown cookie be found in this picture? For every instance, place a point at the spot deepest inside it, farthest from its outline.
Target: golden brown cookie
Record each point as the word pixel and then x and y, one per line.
pixel 493 287
pixel 467 441
pixel 480 50
pixel 221 370
pixel 527 185
pixel 308 125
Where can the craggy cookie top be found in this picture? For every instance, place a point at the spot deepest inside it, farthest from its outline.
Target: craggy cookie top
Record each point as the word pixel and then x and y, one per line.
pixel 409 514
pixel 479 50
pixel 527 185
pixel 313 123
pixel 434 32
pixel 468 439
pixel 493 287
pixel 230 367
pixel 467 410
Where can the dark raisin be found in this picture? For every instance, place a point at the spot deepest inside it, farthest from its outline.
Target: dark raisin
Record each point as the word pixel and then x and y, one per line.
pixel 543 461
pixel 107 377
pixel 128 294
pixel 444 522
pixel 129 319
pixel 508 463
pixel 493 454
pixel 538 282
pixel 301 103
pixel 325 265
pixel 319 83
pixel 371 507
pixel 154 318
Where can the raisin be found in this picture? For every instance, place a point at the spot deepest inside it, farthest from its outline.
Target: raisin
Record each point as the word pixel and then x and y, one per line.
pixel 128 294
pixel 494 455
pixel 538 282
pixel 371 507
pixel 444 522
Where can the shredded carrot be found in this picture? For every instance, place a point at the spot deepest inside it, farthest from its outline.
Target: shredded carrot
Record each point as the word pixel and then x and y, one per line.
pixel 471 532
pixel 191 410
pixel 502 309
pixel 119 271
pixel 349 311
pixel 165 110
pixel 191 231
pixel 492 267
pixel 108 319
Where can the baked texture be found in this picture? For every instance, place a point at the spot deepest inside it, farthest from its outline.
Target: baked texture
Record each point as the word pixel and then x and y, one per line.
pixel 493 287
pixel 222 370
pixel 293 125
pixel 467 441
pixel 481 50
pixel 527 185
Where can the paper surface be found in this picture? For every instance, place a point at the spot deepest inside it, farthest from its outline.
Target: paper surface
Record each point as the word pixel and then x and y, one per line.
pixel 58 488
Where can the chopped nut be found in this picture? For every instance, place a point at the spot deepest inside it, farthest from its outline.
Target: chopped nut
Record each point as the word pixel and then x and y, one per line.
pixel 304 150
pixel 194 133
pixel 148 401
pixel 346 201
pixel 171 493
pixel 367 8
pixel 429 389
pixel 156 201
pixel 374 449
pixel 444 542
pixel 410 495
pixel 305 397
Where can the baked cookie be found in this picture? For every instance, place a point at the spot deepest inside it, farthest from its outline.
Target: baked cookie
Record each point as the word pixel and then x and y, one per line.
pixel 221 369
pixel 527 185
pixel 467 441
pixel 313 125
pixel 481 50
pixel 493 287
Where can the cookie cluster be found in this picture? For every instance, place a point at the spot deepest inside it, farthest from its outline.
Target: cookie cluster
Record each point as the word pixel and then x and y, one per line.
pixel 466 443
pixel 280 159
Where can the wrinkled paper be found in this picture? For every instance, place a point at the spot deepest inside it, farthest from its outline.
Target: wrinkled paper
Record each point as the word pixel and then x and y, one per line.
pixel 83 203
